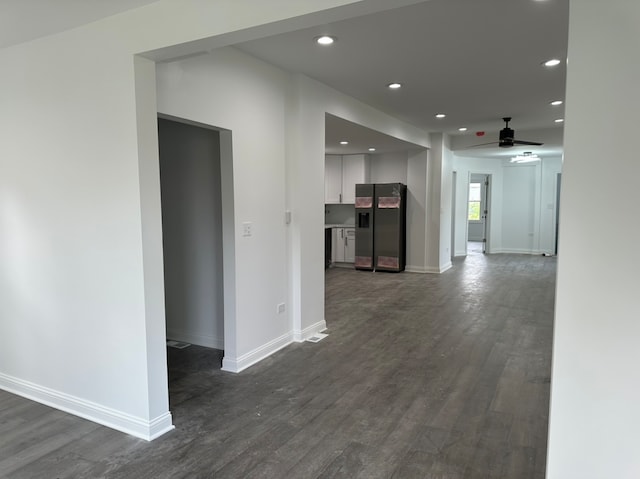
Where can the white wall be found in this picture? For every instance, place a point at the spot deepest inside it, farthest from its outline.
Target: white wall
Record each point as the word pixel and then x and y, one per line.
pixel 74 300
pixel 389 167
pixel 595 376
pixel 192 233
pixel 439 204
pixel 518 208
pixel 231 90
pixel 309 102
pixel 522 204
pixel 446 205
pixel 417 261
pixel 81 241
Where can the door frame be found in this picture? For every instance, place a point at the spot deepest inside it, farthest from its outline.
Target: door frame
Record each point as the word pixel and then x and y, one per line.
pixel 485 212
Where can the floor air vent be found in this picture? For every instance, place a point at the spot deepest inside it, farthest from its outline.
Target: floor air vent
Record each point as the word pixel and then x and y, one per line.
pixel 317 337
pixel 177 344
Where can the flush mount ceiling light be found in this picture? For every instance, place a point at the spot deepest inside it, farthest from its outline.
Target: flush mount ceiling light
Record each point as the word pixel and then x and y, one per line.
pixel 344 142
pixel 462 129
pixel 552 63
pixel 556 102
pixel 440 115
pixel 325 40
pixel 525 157
pixel 559 120
pixel 394 86
pixel 372 149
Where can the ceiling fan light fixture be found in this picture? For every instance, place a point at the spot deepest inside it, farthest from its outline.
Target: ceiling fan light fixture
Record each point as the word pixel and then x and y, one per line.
pixel 526 157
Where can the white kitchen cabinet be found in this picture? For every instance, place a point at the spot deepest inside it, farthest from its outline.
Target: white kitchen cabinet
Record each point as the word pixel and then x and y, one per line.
pixel 333 179
pixel 350 245
pixel 343 245
pixel 341 174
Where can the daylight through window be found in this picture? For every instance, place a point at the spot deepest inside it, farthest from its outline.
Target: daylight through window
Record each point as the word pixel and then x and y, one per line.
pixel 474 201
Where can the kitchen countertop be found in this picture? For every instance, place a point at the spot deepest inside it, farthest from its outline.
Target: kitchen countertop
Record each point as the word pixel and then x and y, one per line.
pixel 333 225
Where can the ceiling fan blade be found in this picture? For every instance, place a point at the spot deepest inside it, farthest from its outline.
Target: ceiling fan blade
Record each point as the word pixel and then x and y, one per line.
pixel 481 144
pixel 522 142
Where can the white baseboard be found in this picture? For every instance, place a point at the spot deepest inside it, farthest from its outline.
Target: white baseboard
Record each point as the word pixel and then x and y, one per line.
pixel 432 270
pixel 235 365
pixel 106 416
pixel 516 251
pixel 302 335
pixel 208 341
pixel 445 267
pixel 343 265
pixel 429 269
pixel 415 269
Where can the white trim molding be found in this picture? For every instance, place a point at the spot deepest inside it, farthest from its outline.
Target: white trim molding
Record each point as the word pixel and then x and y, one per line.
pixel 306 333
pixel 123 422
pixel 429 269
pixel 235 365
pixel 415 269
pixel 208 341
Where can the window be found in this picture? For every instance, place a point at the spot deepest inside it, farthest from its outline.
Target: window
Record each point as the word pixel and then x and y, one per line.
pixel 474 201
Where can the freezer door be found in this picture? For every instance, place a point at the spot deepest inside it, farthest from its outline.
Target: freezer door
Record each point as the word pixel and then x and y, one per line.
pixel 390 231
pixel 364 226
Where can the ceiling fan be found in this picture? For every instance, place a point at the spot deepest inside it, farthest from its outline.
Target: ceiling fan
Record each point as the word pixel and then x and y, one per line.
pixel 507 139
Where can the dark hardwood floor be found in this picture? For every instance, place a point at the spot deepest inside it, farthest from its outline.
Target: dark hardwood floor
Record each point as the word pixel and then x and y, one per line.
pixel 421 376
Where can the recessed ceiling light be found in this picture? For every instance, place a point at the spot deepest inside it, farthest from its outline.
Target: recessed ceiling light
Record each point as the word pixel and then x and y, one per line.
pixel 440 115
pixel 552 63
pixel 325 40
pixel 462 129
pixel 556 102
pixel 394 86
pixel 372 149
pixel 559 120
pixel 344 142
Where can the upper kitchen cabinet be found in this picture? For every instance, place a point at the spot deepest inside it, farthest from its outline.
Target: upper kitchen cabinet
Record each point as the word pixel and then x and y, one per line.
pixel 341 174
pixel 333 179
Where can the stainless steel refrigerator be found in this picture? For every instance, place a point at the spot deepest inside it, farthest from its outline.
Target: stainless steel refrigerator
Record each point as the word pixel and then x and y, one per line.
pixel 381 226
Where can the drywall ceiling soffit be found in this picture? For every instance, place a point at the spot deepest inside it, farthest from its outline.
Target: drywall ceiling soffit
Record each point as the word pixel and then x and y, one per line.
pixel 475 61
pixel 464 145
pixel 360 139
pixel 25 20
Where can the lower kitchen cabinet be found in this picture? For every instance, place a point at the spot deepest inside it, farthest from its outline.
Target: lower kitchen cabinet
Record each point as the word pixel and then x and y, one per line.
pixel 343 245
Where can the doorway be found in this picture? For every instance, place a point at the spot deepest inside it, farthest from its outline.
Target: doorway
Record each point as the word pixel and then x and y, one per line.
pixel 478 213
pixel 454 182
pixel 190 157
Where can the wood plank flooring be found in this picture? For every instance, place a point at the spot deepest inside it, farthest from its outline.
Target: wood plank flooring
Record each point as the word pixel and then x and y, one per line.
pixel 421 376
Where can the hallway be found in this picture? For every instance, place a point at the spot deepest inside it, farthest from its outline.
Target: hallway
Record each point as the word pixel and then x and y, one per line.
pixel 425 376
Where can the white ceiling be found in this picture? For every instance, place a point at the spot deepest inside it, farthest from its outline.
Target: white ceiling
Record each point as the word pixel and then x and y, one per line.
pixel 475 60
pixel 24 20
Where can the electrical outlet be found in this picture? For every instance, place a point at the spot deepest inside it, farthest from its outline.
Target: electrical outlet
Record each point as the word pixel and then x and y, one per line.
pixel 280 308
pixel 247 229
